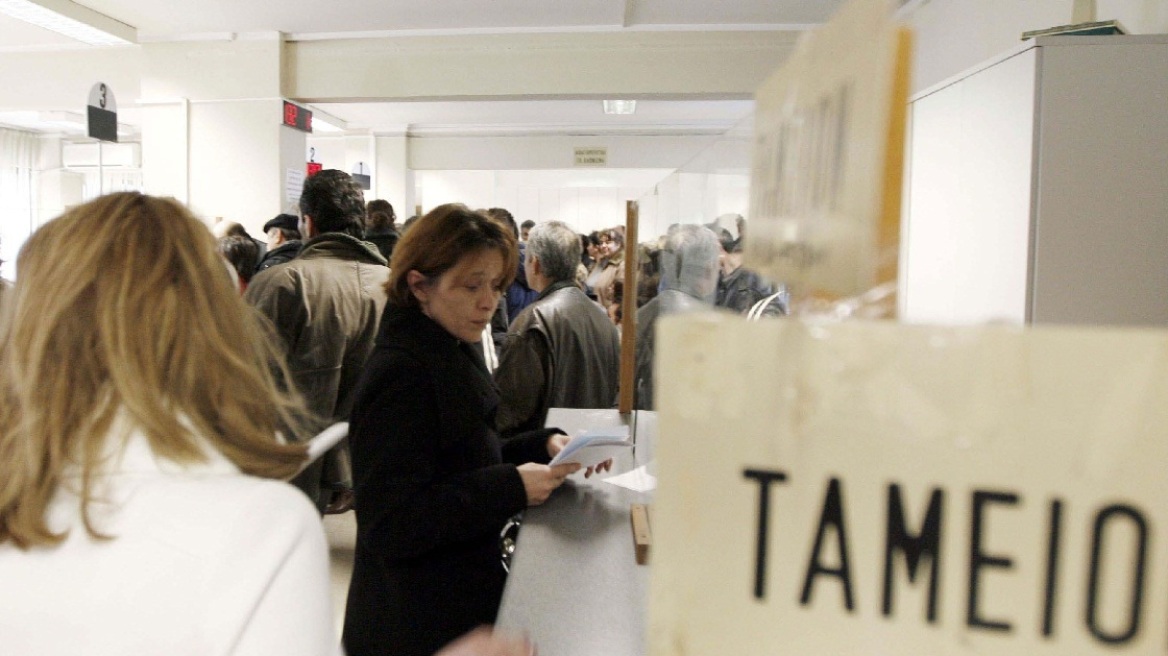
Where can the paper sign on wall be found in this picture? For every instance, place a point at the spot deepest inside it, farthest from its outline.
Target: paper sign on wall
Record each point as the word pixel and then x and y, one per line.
pixel 872 488
pixel 827 157
pixel 591 156
pixel 293 185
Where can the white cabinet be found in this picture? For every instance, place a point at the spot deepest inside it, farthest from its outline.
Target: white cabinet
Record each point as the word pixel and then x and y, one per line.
pixel 1037 188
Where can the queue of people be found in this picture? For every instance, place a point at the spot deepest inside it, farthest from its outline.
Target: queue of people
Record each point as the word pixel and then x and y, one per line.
pixel 157 385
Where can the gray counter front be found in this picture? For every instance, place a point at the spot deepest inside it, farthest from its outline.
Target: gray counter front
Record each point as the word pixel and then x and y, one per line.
pixel 575 586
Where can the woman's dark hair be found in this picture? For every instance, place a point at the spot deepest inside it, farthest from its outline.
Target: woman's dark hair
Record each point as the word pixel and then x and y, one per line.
pixel 439 240
pixel 500 214
pixel 379 216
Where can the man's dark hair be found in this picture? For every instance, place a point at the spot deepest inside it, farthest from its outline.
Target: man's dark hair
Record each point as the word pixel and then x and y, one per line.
pixel 500 214
pixel 527 225
pixel 335 202
pixel 242 253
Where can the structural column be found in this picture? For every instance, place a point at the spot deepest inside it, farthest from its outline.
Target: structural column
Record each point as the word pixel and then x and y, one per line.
pixel 212 133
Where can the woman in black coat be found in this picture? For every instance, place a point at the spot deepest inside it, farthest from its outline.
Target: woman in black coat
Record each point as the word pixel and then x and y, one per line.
pixel 434 484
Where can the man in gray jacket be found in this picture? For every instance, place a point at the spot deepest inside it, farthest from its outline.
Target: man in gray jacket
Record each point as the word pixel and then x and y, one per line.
pixel 689 282
pixel 561 351
pixel 326 305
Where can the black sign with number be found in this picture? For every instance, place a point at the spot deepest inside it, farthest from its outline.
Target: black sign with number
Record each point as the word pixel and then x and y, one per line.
pixel 297 117
pixel 102 113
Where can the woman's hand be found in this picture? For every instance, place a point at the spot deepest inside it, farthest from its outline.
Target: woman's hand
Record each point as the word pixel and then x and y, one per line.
pixel 540 480
pixel 556 443
pixel 596 469
pixel 483 642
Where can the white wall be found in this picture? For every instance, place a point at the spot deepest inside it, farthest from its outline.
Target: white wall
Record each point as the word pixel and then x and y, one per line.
pixel 965 249
pixel 585 199
pixel 225 184
pixel 953 35
pixel 552 152
pixel 384 156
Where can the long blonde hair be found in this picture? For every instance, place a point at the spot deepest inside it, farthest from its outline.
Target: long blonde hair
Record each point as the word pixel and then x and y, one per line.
pixel 124 308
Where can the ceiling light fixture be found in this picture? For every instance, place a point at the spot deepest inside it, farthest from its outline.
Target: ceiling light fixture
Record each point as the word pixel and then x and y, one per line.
pixel 72 20
pixel 325 123
pixel 620 106
pixel 321 125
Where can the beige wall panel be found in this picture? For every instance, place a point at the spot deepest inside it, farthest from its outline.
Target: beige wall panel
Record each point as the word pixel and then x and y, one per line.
pixel 523 153
pixel 213 70
pixel 536 65
pixel 62 80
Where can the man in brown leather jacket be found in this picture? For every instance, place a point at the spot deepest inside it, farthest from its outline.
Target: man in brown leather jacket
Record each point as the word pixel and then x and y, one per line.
pixel 326 305
pixel 562 351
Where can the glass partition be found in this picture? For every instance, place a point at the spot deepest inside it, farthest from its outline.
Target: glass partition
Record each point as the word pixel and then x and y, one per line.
pixel 687 234
pixel 713 186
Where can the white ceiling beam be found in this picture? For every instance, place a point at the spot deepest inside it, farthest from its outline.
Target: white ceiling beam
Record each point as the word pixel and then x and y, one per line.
pixel 632 64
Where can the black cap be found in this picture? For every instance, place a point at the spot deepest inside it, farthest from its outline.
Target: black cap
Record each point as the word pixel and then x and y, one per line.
pixel 285 221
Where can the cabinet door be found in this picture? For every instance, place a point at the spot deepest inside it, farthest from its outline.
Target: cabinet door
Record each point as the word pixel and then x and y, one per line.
pixel 1101 254
pixel 967 223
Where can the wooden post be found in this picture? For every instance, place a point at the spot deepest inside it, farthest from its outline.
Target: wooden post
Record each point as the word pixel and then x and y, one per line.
pixel 629 311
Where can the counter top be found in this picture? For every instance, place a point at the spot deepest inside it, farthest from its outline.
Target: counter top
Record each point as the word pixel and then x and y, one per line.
pixel 575 587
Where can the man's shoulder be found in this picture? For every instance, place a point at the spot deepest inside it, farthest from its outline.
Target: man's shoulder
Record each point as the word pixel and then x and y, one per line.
pixel 273 278
pixel 571 306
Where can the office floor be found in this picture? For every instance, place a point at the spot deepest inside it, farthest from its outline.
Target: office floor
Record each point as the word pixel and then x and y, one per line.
pixel 342 533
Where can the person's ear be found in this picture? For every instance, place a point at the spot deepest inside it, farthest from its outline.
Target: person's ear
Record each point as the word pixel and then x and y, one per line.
pixel 307 227
pixel 417 284
pixel 534 265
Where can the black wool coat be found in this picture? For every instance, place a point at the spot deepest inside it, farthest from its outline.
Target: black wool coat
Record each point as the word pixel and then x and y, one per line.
pixel 434 487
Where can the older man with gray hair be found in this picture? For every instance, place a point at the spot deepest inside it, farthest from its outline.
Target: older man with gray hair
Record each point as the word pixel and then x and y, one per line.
pixel 561 351
pixel 689 283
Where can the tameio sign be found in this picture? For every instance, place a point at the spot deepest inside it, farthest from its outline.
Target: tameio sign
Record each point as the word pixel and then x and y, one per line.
pixel 919 551
pixel 873 488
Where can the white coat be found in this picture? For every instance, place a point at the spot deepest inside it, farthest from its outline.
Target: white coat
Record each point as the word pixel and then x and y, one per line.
pixel 203 560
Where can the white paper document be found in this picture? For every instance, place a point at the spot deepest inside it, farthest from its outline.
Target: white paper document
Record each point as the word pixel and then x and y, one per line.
pixel 595 446
pixel 637 480
pixel 327 439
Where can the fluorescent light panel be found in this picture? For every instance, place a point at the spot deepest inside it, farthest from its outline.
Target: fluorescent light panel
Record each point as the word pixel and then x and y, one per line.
pixel 620 106
pixel 72 20
pixel 321 125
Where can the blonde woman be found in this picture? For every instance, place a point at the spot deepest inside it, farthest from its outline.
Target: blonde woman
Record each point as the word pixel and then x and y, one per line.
pixel 141 507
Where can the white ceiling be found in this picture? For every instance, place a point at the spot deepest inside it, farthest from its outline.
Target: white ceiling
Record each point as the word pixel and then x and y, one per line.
pixel 161 18
pixel 307 19
pixel 503 117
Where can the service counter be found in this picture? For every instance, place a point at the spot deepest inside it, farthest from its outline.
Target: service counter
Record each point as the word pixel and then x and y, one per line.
pixel 575 586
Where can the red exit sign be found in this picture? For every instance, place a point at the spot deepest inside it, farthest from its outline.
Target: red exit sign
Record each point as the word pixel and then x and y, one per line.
pixel 297 117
